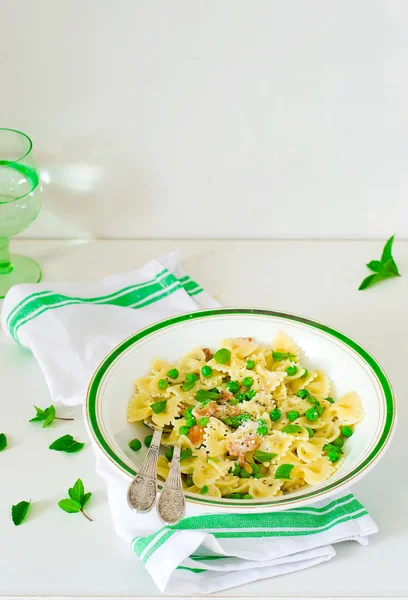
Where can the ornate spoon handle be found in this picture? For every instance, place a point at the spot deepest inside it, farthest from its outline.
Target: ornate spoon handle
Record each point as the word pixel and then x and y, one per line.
pixel 172 504
pixel 143 489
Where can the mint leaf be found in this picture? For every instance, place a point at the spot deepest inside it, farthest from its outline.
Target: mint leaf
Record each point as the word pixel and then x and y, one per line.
pixel 77 499
pixel 19 511
pixel 69 505
pixel 50 415
pixel 375 265
pixel 283 471
pixel 66 443
pixel 203 395
pixel 370 280
pixel 292 429
pixel 75 447
pixel 263 456
pixel 85 498
pixel 278 356
pixel 387 250
pixel 390 267
pixel 332 448
pixel 382 269
pixel 40 416
pixel 186 453
pixel 77 491
pixel 3 441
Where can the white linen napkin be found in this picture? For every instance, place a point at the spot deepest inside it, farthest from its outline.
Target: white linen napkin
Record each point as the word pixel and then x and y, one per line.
pixel 70 327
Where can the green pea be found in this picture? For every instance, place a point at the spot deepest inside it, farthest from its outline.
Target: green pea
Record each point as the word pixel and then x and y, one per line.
pixel 203 421
pixel 247 382
pixel 206 371
pixel 135 444
pixel 305 374
pixel 312 414
pixel 262 427
pixel 163 384
pixel 250 364
pixel 293 415
pixel 319 408
pixel 184 429
pixel 148 440
pixel 292 370
pixel 169 453
pixel 191 422
pixel 310 432
pixel 275 414
pixel 235 496
pixel 204 490
pixel 233 387
pixel 244 474
pixel 255 468
pixel 191 377
pixel 346 431
pixel 189 482
pixel 222 356
pixel 333 456
pixel 259 476
pixel 237 469
pixel 173 374
pixel 234 401
pixel 339 443
pixel 241 397
pixel 302 393
pixel 247 497
pixel 250 394
pixel 188 386
pixel 189 412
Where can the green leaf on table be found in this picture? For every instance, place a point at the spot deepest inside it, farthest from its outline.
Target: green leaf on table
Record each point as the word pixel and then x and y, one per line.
pixel 375 265
pixel 383 269
pixel 77 499
pixel 66 443
pixel 85 498
pixel 77 491
pixel 387 250
pixel 19 511
pixel 3 441
pixel 48 415
pixel 69 505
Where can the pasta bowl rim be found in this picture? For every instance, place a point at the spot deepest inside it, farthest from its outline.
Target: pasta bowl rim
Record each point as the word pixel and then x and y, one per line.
pixel 310 494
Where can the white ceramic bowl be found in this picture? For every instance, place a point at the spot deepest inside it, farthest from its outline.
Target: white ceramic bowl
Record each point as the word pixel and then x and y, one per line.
pixel 349 366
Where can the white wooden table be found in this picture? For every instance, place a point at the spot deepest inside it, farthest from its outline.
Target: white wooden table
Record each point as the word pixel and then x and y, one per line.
pixel 54 554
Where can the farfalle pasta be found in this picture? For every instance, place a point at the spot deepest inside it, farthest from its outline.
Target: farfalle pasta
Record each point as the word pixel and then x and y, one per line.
pixel 251 420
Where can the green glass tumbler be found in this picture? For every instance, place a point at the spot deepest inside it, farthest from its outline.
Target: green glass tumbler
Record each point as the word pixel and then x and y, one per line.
pixel 20 203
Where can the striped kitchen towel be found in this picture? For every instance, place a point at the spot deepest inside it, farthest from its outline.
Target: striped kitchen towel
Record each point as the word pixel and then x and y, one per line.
pixel 70 327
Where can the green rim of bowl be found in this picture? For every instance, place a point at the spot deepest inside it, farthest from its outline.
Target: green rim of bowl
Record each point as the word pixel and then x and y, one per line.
pixel 91 402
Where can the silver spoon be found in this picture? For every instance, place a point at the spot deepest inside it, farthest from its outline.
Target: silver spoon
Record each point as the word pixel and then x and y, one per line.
pixel 172 504
pixel 142 491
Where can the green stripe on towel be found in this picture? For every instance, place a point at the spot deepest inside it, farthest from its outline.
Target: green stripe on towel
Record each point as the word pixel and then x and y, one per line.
pixel 134 296
pixel 295 522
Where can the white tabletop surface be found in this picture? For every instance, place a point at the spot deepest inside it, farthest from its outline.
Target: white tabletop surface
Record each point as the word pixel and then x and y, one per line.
pixel 54 554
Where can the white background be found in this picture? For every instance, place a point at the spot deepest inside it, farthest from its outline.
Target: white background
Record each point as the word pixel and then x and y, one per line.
pixel 212 118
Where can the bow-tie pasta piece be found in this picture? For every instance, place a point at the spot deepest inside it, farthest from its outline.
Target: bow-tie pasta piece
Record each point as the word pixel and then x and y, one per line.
pixel 139 407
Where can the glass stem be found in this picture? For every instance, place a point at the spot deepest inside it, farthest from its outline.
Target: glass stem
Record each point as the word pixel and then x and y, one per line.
pixel 5 264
